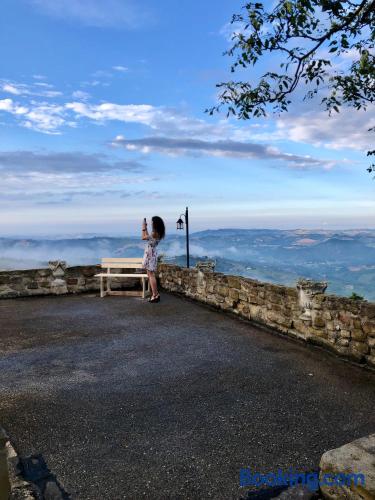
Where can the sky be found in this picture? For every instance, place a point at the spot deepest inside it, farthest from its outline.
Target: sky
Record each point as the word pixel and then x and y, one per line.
pixel 102 123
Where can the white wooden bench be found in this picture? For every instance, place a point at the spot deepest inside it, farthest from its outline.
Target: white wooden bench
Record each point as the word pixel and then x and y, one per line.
pixel 122 263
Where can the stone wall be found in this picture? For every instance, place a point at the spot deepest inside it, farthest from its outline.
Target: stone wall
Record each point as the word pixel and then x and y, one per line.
pixel 342 325
pixel 57 279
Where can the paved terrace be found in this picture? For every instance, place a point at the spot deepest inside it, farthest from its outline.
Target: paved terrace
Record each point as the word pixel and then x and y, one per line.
pixel 126 399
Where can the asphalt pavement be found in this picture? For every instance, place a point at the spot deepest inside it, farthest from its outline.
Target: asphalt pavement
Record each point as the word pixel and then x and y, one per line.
pixel 128 400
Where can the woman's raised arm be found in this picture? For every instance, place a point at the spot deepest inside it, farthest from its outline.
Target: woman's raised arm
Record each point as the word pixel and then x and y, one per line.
pixel 145 235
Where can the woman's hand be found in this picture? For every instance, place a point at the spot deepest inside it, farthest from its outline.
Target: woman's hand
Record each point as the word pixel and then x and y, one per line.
pixel 144 230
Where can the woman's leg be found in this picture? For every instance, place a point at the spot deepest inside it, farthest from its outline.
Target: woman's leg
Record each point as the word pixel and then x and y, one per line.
pixel 153 283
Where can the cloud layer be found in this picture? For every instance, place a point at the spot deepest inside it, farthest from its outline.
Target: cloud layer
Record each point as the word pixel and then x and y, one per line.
pixel 221 148
pixel 54 178
pixel 63 163
pixel 171 131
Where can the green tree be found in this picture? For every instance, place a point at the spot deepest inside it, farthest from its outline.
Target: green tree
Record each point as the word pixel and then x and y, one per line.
pixel 306 36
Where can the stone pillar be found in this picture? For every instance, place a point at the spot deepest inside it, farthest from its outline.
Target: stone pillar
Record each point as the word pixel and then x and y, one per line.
pixel 357 457
pixel 307 289
pixel 206 265
pixel 58 285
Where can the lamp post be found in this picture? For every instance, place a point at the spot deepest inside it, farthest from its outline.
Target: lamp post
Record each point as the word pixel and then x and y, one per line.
pixel 180 225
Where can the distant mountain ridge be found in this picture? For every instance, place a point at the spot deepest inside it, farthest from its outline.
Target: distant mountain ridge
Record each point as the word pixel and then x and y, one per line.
pixel 346 259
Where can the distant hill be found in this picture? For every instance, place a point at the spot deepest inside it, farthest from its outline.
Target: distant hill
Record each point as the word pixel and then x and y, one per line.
pixel 346 259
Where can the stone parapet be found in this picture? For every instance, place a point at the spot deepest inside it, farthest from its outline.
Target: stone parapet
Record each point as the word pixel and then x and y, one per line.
pixel 344 326
pixel 57 279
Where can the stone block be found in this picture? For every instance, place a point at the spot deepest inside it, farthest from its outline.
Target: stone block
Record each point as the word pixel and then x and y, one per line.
pixel 343 342
pixel 345 318
pixel 358 334
pixel 368 326
pixel 234 282
pixel 274 298
pixel 368 310
pixel 256 312
pixel 16 280
pixel 44 284
pixel 358 349
pixel 222 290
pixel 327 315
pixel 345 334
pixel 243 308
pixel 330 326
pixel 234 294
pixel 4 279
pixel 318 321
pixel 357 457
pixel 44 273
pixel 342 350
pixel 33 285
pixel 332 337
pixel 279 319
pixel 357 324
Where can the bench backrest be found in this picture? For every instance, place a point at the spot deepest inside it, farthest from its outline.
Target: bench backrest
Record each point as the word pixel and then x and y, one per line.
pixel 122 263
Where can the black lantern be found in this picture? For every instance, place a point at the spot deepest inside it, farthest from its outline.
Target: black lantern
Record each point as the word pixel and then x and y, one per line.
pixel 180 225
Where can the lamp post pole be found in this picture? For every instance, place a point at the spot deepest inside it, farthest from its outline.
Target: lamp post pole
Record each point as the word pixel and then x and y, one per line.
pixel 187 237
pixel 180 225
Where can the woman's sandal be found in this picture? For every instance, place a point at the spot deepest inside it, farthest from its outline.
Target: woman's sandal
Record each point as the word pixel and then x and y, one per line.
pixel 155 299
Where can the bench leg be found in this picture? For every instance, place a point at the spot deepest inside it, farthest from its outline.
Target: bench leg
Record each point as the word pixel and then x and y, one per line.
pixel 108 285
pixel 102 294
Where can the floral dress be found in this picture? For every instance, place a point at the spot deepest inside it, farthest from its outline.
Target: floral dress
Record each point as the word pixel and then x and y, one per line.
pixel 150 257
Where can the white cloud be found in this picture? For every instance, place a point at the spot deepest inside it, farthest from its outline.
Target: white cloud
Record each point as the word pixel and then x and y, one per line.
pixel 345 130
pixel 47 118
pixel 162 120
pixel 142 113
pixel 40 89
pixel 10 89
pixel 44 85
pixel 98 13
pixel 42 117
pixel 101 73
pixel 121 69
pixel 80 94
pixel 10 107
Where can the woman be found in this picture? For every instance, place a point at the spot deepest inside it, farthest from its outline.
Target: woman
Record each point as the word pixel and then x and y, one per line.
pixel 150 258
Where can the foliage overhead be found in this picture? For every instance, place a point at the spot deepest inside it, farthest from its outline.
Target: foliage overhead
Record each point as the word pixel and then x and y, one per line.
pixel 306 36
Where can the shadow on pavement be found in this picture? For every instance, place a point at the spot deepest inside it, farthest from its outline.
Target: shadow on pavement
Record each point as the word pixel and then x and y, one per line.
pixel 35 470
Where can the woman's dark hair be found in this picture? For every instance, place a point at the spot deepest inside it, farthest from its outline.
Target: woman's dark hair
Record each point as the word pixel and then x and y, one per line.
pixel 158 226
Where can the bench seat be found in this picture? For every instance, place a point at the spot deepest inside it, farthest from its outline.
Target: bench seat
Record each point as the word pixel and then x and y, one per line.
pixel 122 275
pixel 113 264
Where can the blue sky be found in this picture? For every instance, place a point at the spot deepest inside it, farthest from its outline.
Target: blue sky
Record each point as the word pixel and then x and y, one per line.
pixel 102 123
